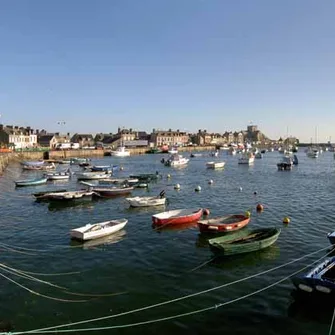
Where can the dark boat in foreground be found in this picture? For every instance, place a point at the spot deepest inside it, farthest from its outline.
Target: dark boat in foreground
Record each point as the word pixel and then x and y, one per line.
pixel 331 237
pixel 245 241
pixel 320 281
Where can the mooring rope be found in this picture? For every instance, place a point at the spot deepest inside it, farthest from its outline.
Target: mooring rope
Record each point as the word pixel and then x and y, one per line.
pixel 332 323
pixel 37 293
pixel 44 330
pixel 25 276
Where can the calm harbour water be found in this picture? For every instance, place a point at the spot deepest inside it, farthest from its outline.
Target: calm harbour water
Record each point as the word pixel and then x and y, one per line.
pixel 149 266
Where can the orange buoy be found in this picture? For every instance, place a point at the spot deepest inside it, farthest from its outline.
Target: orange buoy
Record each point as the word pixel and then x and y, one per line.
pixel 206 211
pixel 259 208
pixel 286 220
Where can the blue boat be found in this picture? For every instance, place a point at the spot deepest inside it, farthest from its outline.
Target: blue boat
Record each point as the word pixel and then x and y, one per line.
pixel 319 281
pixel 104 168
pixel 31 182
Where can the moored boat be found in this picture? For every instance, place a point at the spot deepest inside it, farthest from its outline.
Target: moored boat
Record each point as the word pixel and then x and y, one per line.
pixel 177 216
pixel 224 223
pixel 147 201
pixel 120 152
pixel 286 163
pixel 82 195
pixel 246 158
pixel 331 237
pixel 109 192
pixel 42 196
pixel 176 160
pixel 215 165
pixel 59 175
pixel 31 182
pixel 247 241
pixel 41 167
pixel 32 163
pixel 97 230
pixel 320 281
pixel 91 175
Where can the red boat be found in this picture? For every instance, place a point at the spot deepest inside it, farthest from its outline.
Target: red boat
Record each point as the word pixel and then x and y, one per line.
pixel 177 216
pixel 224 224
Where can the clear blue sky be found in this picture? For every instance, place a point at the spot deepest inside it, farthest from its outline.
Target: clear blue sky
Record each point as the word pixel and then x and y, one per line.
pixel 181 64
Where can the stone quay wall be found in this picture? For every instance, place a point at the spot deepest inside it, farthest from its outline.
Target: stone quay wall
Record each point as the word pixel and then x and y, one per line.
pixel 5 158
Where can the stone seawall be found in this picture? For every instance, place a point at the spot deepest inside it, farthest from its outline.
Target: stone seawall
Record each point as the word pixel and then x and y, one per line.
pixel 54 154
pixel 6 158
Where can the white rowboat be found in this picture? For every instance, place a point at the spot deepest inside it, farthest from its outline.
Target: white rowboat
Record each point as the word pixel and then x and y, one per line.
pixel 146 201
pixel 215 165
pixel 97 230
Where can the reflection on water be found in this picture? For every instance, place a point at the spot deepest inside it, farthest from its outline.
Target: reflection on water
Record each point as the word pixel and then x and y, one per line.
pixel 107 240
pixel 57 206
pixel 306 307
pixel 247 259
pixel 174 227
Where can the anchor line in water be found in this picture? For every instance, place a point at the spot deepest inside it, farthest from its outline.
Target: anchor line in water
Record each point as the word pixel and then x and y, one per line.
pixel 44 330
pixel 37 293
pixel 26 276
pixel 332 323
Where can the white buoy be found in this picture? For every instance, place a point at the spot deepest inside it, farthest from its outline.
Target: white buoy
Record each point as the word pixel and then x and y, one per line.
pixel 210 181
pixel 168 176
pixel 177 187
pixel 198 188
pixel 240 189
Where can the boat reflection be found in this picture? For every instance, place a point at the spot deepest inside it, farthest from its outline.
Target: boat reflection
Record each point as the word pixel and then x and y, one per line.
pixel 103 241
pixel 175 227
pixel 149 209
pixel 247 259
pixel 57 206
pixel 306 307
pixel 202 240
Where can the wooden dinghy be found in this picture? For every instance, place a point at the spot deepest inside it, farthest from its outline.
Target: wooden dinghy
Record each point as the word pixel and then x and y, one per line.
pixel 31 182
pixel 109 192
pixel 42 196
pixel 147 201
pixel 177 216
pixel 224 223
pixel 247 241
pixel 215 165
pixel 71 196
pixel 97 230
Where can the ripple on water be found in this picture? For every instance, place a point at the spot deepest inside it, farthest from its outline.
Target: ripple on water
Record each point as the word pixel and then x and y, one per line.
pixel 154 265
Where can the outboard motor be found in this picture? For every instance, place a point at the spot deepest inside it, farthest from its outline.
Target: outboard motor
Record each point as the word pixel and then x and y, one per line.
pixel 162 194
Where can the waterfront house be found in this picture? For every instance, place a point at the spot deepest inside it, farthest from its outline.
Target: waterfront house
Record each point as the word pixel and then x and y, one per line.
pixel 18 137
pixel 84 140
pixel 47 140
pixel 169 137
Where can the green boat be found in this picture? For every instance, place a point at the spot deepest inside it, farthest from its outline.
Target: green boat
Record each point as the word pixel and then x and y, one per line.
pixel 245 241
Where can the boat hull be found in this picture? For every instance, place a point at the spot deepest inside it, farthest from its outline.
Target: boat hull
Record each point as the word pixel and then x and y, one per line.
pixel 319 281
pixel 224 224
pixel 229 245
pixel 176 217
pixel 146 201
pixel 88 232
pixel 35 182
pixel 112 192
